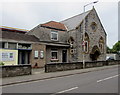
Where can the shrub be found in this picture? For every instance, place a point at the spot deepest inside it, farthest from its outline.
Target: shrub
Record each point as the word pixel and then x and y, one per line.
pixel 2 63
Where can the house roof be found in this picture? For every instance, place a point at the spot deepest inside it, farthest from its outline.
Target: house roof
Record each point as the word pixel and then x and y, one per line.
pixel 73 22
pixel 6 28
pixel 17 36
pixel 54 25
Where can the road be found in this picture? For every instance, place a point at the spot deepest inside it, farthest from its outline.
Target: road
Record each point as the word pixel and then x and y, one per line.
pixel 104 81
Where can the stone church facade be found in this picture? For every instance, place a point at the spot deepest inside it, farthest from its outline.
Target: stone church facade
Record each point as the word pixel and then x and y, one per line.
pixel 63 41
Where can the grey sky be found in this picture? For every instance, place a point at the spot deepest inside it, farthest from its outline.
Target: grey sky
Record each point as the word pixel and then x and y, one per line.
pixel 27 15
pixel 119 21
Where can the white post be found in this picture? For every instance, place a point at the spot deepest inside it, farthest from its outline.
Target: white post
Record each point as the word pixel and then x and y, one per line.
pixel 83 44
pixel 84 33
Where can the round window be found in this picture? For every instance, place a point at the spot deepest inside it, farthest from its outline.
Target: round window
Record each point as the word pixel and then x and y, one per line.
pixel 94 26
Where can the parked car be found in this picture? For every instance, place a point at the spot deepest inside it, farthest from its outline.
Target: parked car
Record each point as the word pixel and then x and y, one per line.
pixel 110 58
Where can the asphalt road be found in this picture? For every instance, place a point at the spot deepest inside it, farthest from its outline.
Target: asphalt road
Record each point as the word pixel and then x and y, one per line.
pixel 104 81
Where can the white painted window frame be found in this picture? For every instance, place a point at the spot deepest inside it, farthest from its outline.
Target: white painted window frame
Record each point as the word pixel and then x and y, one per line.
pixel 54 51
pixel 101 47
pixel 54 33
pixel 85 47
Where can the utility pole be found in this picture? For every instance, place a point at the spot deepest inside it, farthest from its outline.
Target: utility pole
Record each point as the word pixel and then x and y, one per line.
pixel 83 43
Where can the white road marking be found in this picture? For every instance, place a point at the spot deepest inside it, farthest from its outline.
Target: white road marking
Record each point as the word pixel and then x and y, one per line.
pixel 107 78
pixel 68 90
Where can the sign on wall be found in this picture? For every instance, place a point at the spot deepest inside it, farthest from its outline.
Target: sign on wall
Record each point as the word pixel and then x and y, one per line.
pixel 41 54
pixel 6 56
pixel 36 54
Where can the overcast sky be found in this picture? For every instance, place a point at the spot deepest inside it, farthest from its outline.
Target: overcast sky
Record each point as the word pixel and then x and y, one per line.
pixel 26 14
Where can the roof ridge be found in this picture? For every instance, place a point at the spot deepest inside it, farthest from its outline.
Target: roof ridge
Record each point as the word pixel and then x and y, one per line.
pixel 52 21
pixel 54 24
pixel 75 15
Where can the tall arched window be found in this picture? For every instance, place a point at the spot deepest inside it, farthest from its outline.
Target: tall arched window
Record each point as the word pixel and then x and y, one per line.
pixel 86 43
pixel 101 44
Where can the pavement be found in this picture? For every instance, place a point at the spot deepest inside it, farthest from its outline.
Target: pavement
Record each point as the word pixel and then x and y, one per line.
pixel 39 74
pixel 101 82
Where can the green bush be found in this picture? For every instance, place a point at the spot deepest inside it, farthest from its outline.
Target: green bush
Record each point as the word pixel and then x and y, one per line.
pixel 2 63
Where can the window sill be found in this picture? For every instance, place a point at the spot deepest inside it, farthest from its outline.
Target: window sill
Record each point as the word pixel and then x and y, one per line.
pixel 54 60
pixel 54 40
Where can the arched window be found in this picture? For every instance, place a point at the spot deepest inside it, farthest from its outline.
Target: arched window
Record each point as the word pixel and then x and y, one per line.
pixel 86 43
pixel 101 44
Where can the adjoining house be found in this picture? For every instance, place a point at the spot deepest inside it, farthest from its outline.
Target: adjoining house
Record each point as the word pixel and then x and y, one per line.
pixel 16 46
pixel 54 42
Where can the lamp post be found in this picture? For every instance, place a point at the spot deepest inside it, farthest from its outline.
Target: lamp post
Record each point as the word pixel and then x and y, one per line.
pixel 89 4
pixel 84 33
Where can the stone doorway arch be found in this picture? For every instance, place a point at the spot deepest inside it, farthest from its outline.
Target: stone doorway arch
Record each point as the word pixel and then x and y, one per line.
pixel 95 53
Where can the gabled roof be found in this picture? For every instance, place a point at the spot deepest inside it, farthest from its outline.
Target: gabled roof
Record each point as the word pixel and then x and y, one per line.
pixel 54 25
pixel 17 36
pixel 73 22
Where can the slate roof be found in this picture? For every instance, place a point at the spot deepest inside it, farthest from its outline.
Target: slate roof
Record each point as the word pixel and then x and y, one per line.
pixel 55 25
pixel 73 22
pixel 17 36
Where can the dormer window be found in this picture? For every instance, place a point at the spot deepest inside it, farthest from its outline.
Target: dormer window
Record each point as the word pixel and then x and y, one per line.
pixel 54 35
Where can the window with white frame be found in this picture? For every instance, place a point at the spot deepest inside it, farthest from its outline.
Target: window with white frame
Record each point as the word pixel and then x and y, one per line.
pixel 54 35
pixel 101 44
pixel 86 46
pixel 12 45
pixel 54 54
pixel 86 43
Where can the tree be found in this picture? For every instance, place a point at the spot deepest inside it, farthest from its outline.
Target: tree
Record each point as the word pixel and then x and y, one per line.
pixel 109 50
pixel 116 47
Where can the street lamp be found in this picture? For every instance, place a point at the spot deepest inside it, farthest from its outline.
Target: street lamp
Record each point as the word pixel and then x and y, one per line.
pixel 89 4
pixel 84 33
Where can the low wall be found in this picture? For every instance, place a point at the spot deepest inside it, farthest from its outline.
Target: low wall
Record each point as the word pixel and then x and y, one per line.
pixel 15 70
pixel 53 67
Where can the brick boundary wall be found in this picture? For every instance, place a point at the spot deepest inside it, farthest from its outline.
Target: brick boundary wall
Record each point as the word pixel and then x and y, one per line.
pixel 53 67
pixel 15 70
